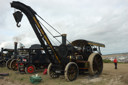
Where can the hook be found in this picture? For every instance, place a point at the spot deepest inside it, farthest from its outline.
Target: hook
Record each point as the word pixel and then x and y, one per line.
pixel 18 25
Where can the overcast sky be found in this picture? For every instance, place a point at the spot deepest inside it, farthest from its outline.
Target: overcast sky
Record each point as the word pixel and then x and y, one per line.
pixel 103 21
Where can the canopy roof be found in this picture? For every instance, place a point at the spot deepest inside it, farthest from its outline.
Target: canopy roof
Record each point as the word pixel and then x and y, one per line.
pixel 81 43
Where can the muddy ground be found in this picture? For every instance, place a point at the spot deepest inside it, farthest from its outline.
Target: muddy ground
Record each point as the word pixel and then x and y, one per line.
pixel 110 76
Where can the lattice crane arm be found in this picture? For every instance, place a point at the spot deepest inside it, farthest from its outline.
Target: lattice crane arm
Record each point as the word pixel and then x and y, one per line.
pixel 40 33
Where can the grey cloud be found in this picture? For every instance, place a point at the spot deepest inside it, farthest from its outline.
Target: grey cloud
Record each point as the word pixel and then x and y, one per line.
pixel 102 21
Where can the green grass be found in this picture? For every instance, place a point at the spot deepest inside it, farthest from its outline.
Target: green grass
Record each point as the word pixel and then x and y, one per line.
pixel 14 76
pixel 107 61
pixel 24 79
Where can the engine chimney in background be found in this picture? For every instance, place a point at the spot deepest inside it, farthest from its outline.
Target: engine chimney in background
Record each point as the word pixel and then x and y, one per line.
pixel 15 49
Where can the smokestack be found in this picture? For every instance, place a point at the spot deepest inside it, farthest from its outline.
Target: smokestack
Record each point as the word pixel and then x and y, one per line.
pixel 15 49
pixel 64 39
pixel 2 52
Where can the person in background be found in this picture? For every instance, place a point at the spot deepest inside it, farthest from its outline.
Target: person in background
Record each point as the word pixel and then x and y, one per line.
pixel 115 63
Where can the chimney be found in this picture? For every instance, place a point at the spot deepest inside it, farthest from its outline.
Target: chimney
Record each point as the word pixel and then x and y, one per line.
pixel 64 39
pixel 15 49
pixel 2 52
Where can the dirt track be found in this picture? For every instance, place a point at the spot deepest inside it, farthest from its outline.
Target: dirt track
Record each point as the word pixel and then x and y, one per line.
pixel 110 76
pixel 115 77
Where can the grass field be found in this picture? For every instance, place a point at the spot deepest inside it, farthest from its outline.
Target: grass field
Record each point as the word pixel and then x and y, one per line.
pixel 110 76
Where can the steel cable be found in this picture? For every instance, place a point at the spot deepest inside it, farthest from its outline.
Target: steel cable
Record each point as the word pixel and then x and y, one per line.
pixel 50 26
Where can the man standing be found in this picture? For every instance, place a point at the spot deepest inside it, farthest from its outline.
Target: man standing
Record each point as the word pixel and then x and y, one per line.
pixel 115 62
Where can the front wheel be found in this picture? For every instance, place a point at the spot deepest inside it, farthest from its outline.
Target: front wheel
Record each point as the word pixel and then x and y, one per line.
pixel 51 72
pixel 13 64
pixel 30 69
pixel 71 71
pixel 8 63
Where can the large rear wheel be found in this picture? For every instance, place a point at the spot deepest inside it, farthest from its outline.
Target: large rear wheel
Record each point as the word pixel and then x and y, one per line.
pixel 95 64
pixel 51 71
pixel 71 71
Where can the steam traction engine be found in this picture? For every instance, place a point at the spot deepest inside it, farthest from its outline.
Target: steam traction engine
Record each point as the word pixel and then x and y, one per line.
pixel 12 62
pixel 67 59
pixel 5 55
pixel 32 59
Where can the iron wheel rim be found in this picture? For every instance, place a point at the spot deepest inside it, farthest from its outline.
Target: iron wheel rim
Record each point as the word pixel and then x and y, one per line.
pixel 72 72
pixel 97 65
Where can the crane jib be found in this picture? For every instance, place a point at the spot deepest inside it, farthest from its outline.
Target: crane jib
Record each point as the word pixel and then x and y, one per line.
pixel 46 38
pixel 40 33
